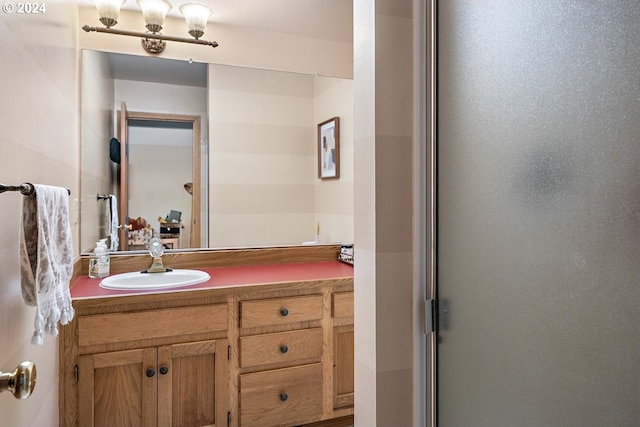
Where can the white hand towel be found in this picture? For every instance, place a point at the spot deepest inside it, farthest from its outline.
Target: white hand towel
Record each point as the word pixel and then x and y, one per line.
pixel 112 221
pixel 46 258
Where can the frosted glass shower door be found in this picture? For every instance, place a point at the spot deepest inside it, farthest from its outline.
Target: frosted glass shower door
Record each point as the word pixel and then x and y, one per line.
pixel 538 213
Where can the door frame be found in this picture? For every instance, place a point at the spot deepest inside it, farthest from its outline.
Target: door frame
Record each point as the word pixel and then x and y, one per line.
pixel 124 119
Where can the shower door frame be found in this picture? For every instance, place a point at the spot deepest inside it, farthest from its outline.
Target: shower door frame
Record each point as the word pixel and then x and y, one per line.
pixel 429 168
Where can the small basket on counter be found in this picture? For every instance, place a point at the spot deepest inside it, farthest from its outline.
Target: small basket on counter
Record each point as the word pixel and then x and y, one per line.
pixel 346 254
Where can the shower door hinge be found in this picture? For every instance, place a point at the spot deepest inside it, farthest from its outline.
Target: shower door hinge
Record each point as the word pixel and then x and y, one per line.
pixel 429 316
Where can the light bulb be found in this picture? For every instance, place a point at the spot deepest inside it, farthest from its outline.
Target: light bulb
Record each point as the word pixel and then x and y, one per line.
pixel 196 16
pixel 154 12
pixel 108 10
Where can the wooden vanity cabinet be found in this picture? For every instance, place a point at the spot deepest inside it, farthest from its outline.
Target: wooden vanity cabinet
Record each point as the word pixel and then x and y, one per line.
pixel 281 372
pixel 113 389
pixel 343 350
pixel 173 385
pixel 276 355
pixel 150 368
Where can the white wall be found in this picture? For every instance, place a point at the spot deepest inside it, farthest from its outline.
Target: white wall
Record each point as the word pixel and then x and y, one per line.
pixel 38 143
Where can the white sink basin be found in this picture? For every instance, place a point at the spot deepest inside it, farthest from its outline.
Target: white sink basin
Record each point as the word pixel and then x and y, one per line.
pixel 151 281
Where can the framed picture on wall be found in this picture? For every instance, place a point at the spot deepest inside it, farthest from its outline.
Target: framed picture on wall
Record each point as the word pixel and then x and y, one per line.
pixel 329 149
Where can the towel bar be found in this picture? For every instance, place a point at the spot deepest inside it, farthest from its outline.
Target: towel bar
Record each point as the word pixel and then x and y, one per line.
pixel 26 188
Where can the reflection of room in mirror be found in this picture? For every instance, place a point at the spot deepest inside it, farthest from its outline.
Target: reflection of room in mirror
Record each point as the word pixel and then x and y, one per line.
pixel 160 159
pixel 172 88
pixel 259 183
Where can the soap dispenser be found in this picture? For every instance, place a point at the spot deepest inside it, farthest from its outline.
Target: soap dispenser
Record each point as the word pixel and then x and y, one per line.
pixel 99 262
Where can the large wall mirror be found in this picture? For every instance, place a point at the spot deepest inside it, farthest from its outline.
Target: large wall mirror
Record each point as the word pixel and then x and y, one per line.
pixel 230 150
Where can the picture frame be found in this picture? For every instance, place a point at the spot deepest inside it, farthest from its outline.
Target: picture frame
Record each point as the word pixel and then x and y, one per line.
pixel 329 149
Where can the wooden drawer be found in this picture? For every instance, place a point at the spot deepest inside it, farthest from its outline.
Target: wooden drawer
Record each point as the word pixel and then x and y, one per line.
pixel 280 311
pixel 281 396
pixel 280 347
pixel 134 326
pixel 342 304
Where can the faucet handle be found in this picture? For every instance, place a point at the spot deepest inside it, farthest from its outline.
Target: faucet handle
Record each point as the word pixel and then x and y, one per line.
pixel 155 247
pixel 21 381
pixel 156 250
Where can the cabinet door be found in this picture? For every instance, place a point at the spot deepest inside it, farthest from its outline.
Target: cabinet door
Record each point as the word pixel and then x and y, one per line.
pixel 192 385
pixel 118 389
pixel 343 366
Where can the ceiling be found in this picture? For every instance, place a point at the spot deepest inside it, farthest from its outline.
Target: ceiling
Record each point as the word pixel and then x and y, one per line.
pixel 157 70
pixel 328 19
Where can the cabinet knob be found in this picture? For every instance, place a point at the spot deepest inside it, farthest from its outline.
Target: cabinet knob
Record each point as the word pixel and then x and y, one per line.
pixel 21 381
pixel 284 349
pixel 283 396
pixel 150 373
pixel 164 370
pixel 284 312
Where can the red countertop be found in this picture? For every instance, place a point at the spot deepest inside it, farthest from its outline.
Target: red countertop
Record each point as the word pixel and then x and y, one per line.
pixel 224 277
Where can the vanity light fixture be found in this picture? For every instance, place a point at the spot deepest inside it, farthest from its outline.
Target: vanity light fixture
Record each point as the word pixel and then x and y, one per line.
pixel 154 13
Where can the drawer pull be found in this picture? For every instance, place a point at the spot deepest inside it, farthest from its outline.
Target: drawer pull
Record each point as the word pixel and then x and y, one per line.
pixel 283 396
pixel 284 349
pixel 164 370
pixel 284 312
pixel 150 373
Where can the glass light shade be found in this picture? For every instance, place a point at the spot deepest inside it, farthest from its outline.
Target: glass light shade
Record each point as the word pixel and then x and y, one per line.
pixel 154 12
pixel 196 16
pixel 108 10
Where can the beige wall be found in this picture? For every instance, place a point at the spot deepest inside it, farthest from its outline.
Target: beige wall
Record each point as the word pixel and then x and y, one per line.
pixel 333 198
pixel 383 164
pixel 263 182
pixel 39 144
pixel 261 162
pixel 96 102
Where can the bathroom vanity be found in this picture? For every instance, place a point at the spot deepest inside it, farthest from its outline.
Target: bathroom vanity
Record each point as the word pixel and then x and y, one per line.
pixel 267 341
